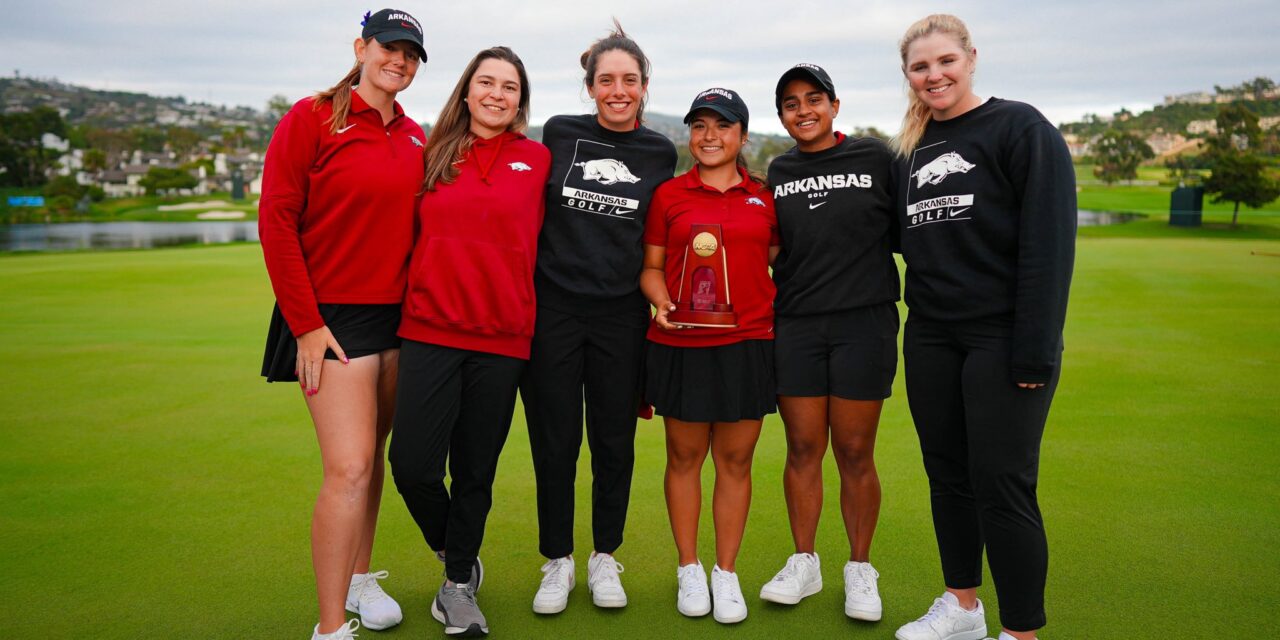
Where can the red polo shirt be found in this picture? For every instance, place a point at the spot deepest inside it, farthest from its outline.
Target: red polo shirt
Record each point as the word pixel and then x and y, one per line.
pixel 336 213
pixel 748 226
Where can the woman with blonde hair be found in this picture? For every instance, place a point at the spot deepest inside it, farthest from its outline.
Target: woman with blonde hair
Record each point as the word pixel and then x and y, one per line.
pixel 336 223
pixel 987 199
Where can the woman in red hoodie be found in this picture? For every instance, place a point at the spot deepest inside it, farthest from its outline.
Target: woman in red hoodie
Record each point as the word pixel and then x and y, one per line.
pixel 468 318
pixel 336 223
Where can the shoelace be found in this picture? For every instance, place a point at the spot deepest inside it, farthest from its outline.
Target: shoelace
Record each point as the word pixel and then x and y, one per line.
pixel 727 588
pixel 935 612
pixel 608 569
pixel 553 578
pixel 371 591
pixel 460 594
pixel 347 630
pixel 791 571
pixel 692 580
pixel 859 581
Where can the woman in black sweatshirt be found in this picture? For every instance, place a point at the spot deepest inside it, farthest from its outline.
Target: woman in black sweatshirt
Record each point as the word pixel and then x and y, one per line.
pixel 588 339
pixel 986 196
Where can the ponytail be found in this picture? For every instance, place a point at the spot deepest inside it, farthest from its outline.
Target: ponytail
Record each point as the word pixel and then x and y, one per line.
pixel 340 95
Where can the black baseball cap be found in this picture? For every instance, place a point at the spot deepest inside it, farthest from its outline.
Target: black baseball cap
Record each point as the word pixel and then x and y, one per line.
pixel 807 71
pixel 393 25
pixel 725 102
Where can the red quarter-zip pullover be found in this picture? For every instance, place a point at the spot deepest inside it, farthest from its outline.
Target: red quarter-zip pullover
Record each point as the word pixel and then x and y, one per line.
pixel 471 279
pixel 336 214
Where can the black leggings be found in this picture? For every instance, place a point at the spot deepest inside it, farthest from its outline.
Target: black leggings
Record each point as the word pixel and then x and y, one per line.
pixel 593 358
pixel 454 404
pixel 980 435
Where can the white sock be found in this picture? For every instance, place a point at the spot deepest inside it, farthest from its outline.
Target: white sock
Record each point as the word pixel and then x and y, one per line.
pixel 1005 636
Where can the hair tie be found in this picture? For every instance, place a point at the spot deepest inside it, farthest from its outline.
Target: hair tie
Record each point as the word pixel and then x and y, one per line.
pixel 365 20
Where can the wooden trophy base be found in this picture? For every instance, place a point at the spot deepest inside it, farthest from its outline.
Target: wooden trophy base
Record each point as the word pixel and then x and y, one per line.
pixel 721 316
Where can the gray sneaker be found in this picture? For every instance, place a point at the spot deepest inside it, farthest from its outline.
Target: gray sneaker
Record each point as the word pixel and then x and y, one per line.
pixel 456 607
pixel 477 572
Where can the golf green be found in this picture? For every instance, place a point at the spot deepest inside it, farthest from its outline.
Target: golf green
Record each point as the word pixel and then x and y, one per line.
pixel 154 486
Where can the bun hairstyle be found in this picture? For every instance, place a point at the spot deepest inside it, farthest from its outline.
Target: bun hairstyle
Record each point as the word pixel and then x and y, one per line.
pixel 340 95
pixel 617 40
pixel 451 137
pixel 918 114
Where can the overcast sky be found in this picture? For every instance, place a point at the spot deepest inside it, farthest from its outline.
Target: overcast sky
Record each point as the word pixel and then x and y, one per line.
pixel 1066 58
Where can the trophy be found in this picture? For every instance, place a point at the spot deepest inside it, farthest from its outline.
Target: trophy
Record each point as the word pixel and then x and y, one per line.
pixel 703 299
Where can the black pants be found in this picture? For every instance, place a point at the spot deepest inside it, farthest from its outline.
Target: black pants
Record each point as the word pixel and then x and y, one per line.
pixel 980 435
pixel 597 358
pixel 451 404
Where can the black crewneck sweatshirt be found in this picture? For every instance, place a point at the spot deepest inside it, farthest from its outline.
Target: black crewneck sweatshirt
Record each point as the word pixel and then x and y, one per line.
pixel 597 196
pixel 835 214
pixel 988 224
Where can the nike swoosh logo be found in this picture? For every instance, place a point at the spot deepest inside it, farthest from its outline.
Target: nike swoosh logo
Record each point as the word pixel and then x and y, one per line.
pixel 813 206
pixel 623 212
pixel 956 213
pixel 344 129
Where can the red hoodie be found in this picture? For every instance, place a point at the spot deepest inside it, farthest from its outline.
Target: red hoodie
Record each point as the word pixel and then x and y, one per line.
pixel 471 275
pixel 336 214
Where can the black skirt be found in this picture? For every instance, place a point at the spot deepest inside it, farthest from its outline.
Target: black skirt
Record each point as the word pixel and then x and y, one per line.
pixel 728 383
pixel 361 329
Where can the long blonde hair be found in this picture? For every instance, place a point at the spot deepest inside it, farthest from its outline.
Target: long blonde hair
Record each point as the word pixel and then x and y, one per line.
pixel 451 137
pixel 917 117
pixel 340 95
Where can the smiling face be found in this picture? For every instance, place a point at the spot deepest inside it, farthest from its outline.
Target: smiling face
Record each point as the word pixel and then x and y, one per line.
pixel 940 73
pixel 809 115
pixel 493 97
pixel 388 68
pixel 618 90
pixel 713 140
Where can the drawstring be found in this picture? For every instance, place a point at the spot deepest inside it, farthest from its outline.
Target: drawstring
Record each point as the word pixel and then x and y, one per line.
pixel 485 167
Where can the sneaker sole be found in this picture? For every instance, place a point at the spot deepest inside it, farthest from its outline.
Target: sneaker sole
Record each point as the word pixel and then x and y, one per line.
pixel 471 631
pixel 609 603
pixel 372 626
pixel 976 634
pixel 865 613
pixel 550 609
pixel 693 613
pixel 785 598
pixel 732 620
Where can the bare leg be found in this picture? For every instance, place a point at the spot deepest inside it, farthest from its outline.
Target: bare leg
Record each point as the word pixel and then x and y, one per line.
pixel 853 440
pixel 733 444
pixel 687 445
pixel 806 427
pixel 345 416
pixel 388 367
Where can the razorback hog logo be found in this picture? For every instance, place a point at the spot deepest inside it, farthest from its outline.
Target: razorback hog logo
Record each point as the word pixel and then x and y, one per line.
pixel 756 201
pixel 606 171
pixel 941 167
pixel 520 166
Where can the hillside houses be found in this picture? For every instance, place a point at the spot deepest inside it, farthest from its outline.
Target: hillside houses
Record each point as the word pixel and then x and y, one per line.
pixel 123 178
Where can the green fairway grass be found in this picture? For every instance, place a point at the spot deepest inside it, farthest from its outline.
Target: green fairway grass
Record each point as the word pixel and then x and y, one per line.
pixel 154 486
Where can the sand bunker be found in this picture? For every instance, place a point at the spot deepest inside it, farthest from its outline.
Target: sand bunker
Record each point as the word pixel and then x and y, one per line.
pixel 220 215
pixel 187 206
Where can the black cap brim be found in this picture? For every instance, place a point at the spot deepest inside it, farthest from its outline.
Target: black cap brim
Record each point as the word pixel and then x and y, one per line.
pixel 727 114
pixel 387 37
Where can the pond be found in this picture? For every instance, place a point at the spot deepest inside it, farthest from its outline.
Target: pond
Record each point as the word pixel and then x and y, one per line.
pixel 122 235
pixel 150 235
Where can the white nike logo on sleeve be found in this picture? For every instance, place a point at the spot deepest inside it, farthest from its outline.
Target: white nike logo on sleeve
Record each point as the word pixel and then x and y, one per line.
pixel 344 129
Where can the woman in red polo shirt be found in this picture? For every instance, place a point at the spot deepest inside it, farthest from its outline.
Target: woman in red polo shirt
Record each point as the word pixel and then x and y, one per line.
pixel 336 223
pixel 713 385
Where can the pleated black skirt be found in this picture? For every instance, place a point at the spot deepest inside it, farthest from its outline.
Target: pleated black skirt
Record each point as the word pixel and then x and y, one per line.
pixel 728 383
pixel 361 329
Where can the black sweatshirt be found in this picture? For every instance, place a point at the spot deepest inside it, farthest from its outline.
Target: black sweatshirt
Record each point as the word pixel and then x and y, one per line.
pixel 597 197
pixel 988 227
pixel 835 213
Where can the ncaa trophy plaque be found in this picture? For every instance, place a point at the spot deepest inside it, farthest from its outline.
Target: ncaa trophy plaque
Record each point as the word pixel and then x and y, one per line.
pixel 703 299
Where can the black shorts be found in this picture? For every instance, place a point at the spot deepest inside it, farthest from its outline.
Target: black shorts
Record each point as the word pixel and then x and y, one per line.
pixel 728 383
pixel 849 354
pixel 361 329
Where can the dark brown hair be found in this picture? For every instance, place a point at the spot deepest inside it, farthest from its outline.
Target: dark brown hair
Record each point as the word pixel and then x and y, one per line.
pixel 617 40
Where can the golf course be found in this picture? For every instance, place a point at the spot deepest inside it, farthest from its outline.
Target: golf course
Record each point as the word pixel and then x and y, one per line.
pixel 154 486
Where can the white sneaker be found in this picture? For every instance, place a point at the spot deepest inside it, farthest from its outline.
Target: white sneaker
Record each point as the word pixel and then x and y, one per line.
pixel 861 595
pixel 693 599
pixel 345 632
pixel 946 620
pixel 603 581
pixel 557 581
pixel 800 578
pixel 730 605
pixel 376 609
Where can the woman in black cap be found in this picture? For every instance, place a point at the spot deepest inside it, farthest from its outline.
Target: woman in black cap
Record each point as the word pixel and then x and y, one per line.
pixel 987 196
pixel 836 344
pixel 709 238
pixel 336 223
